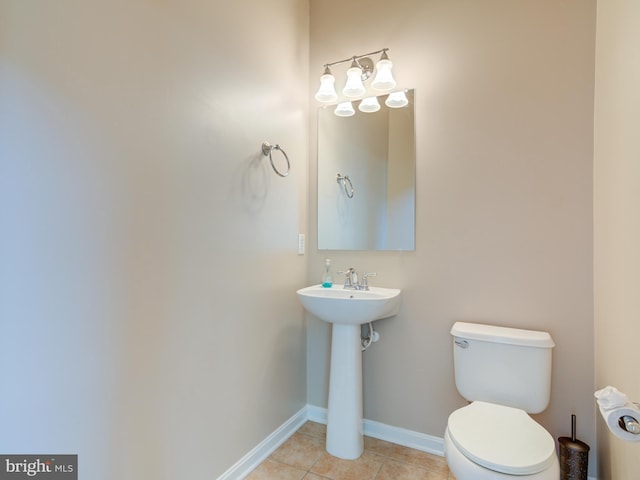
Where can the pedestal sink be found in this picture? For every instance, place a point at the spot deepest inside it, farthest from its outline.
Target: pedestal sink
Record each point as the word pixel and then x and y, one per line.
pixel 346 310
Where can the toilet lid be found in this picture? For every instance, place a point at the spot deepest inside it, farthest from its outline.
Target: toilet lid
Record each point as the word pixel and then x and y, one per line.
pixel 502 439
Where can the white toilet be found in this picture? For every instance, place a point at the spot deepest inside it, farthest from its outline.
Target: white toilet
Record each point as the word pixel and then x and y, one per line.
pixel 506 374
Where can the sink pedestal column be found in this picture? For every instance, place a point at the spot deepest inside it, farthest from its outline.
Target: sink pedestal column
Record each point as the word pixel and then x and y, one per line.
pixel 344 419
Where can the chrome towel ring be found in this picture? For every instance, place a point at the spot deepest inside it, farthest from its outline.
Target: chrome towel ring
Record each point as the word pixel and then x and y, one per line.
pixel 343 179
pixel 268 149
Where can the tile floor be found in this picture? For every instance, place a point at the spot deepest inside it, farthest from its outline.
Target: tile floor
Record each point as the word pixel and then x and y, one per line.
pixel 303 456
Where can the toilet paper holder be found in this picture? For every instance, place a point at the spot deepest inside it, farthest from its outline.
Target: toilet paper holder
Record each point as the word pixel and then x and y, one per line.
pixel 620 413
pixel 629 423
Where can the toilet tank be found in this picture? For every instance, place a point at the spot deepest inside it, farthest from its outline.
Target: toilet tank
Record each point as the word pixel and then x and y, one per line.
pixel 506 366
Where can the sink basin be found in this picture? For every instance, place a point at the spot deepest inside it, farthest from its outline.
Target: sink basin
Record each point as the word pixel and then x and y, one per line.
pixel 350 307
pixel 347 310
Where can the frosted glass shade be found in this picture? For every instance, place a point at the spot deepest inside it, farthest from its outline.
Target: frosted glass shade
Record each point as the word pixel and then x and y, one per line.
pixel 344 109
pixel 354 86
pixel 369 105
pixel 384 78
pixel 327 90
pixel 397 100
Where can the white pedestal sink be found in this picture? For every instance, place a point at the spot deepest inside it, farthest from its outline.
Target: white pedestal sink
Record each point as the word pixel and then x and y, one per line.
pixel 347 309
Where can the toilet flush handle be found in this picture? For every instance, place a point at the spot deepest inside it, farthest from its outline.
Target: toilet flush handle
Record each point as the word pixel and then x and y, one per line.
pixel 462 343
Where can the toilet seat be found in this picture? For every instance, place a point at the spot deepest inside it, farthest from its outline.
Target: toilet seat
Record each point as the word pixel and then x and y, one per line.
pixel 502 439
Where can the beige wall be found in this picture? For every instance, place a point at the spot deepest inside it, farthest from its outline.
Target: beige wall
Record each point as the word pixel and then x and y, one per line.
pixel 504 122
pixel 138 219
pixel 147 253
pixel 617 220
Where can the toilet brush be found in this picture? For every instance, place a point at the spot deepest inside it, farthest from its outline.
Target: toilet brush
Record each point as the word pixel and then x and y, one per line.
pixel 574 456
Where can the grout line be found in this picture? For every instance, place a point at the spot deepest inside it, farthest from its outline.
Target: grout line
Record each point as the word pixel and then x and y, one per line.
pixel 380 468
pixel 385 457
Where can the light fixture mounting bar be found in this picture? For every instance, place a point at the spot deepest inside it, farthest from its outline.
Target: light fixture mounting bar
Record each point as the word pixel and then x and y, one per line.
pixel 355 57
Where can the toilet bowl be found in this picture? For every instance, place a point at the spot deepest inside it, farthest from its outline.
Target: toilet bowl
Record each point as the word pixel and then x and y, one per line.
pixel 505 374
pixel 484 441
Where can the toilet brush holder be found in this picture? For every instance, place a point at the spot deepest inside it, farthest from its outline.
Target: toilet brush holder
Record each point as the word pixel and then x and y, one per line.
pixel 574 456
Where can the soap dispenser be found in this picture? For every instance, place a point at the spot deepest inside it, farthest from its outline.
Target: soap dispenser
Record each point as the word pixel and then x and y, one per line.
pixel 327 278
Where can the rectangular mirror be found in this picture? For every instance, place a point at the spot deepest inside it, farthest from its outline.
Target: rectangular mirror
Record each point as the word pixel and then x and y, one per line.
pixel 366 178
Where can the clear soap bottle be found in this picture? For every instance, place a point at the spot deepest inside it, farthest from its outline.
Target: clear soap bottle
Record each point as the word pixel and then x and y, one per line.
pixel 327 278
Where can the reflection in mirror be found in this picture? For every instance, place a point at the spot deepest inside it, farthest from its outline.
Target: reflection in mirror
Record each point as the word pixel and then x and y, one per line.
pixel 366 178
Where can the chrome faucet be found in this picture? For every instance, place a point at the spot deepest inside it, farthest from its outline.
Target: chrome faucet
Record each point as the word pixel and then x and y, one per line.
pixel 351 280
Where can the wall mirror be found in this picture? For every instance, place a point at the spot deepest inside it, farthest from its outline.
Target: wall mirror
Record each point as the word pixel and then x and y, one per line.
pixel 366 178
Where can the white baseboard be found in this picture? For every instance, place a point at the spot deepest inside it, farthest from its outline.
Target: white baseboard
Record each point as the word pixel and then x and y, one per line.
pixel 404 437
pixel 388 433
pixel 400 436
pixel 381 431
pixel 255 457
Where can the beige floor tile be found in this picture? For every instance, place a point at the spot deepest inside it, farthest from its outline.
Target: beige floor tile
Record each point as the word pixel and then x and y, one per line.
pixel 303 457
pixel 270 470
pixel 314 429
pixel 393 470
pixel 364 468
pixel 421 459
pixel 379 447
pixel 300 451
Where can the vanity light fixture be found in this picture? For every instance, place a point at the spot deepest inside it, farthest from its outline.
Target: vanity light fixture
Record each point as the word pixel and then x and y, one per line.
pixel 384 78
pixel 354 87
pixel 369 105
pixel 360 70
pixel 397 100
pixel 345 109
pixel 327 91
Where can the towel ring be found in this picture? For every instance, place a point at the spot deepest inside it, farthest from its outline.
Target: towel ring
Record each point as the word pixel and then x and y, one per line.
pixel 343 179
pixel 267 149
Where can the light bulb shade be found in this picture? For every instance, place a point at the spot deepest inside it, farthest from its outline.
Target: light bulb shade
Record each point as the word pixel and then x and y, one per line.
pixel 344 109
pixel 354 86
pixel 384 78
pixel 327 91
pixel 369 105
pixel 397 100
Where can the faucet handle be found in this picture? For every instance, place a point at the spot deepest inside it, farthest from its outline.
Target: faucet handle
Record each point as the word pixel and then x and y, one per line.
pixel 364 285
